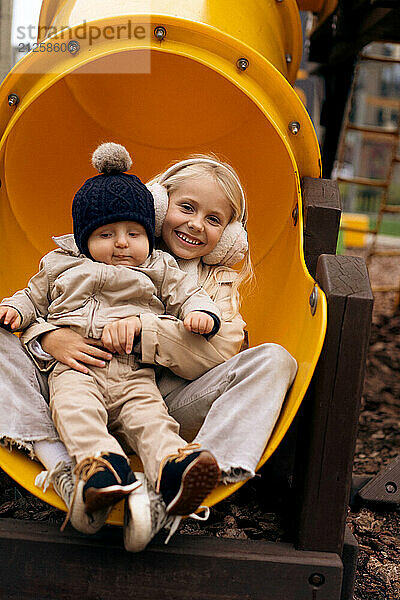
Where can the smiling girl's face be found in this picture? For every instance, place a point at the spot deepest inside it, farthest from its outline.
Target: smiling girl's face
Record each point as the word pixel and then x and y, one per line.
pixel 198 213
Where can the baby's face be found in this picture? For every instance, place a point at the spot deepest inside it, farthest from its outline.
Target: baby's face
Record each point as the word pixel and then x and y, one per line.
pixel 123 243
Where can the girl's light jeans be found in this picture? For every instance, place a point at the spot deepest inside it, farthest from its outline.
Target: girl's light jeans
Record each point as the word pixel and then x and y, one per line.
pixel 24 413
pixel 232 409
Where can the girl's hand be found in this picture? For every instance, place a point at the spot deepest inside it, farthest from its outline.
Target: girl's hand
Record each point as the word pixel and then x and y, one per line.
pixel 10 316
pixel 70 348
pixel 198 322
pixel 119 336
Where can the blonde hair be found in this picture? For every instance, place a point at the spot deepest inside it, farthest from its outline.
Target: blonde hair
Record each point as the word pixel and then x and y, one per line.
pixel 227 179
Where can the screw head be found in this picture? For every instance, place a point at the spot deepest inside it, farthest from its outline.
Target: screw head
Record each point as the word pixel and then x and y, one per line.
pixel 313 300
pixel 294 127
pixel 316 579
pixel 73 47
pixel 288 58
pixel 242 64
pixel 160 33
pixel 13 99
pixel 391 487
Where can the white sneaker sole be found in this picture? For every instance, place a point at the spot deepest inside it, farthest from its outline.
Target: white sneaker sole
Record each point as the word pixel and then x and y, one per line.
pixel 137 518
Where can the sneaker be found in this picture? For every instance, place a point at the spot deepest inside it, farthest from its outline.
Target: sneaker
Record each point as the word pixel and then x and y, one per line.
pixel 146 514
pixel 63 484
pixel 101 481
pixel 186 478
pixel 108 479
pixel 81 520
pixel 62 479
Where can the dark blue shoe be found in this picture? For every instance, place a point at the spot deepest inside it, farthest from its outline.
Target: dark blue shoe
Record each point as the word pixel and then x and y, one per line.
pixel 108 479
pixel 186 479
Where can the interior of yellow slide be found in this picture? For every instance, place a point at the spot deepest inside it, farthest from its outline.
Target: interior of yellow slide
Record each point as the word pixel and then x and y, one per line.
pixel 180 107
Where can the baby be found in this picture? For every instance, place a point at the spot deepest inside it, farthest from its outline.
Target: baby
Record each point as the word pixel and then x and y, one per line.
pixel 109 271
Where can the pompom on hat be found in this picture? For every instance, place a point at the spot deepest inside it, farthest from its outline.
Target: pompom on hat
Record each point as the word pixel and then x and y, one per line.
pixel 111 158
pixel 111 197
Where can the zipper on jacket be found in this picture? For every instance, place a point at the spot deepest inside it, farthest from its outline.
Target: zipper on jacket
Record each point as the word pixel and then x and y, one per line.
pixel 93 300
pixel 94 305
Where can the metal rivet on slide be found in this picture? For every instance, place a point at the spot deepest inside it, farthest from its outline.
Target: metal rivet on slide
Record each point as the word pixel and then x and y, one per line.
pixel 160 33
pixel 294 127
pixel 313 300
pixel 73 47
pixel 13 99
pixel 242 64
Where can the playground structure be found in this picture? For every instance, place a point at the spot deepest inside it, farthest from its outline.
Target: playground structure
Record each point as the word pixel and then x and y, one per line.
pixel 346 28
pixel 199 77
pixel 371 140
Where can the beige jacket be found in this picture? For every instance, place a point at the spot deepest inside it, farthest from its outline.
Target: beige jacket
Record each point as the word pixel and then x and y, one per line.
pixel 165 341
pixel 73 290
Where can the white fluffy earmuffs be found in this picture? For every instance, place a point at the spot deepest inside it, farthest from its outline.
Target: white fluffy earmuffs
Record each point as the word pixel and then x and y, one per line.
pixel 233 243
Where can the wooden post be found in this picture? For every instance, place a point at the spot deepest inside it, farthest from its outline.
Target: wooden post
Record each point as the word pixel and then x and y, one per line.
pixel 330 413
pixel 322 209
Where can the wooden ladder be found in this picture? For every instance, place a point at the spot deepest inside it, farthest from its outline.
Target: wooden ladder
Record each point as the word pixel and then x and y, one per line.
pixel 389 135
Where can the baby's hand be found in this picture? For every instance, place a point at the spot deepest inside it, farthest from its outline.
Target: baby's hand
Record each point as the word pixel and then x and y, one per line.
pixel 10 316
pixel 119 336
pixel 198 322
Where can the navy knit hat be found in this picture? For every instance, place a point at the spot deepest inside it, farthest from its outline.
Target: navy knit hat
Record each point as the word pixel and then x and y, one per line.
pixel 111 197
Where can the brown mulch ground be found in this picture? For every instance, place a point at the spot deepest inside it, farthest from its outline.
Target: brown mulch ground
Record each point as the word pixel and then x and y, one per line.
pixel 245 514
pixel 378 531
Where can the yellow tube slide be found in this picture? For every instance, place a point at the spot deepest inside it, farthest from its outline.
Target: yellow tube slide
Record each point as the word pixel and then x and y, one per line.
pixel 188 76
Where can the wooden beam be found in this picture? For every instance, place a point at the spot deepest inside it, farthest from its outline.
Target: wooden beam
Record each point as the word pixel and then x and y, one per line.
pixel 330 412
pixel 354 24
pixel 37 561
pixel 384 487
